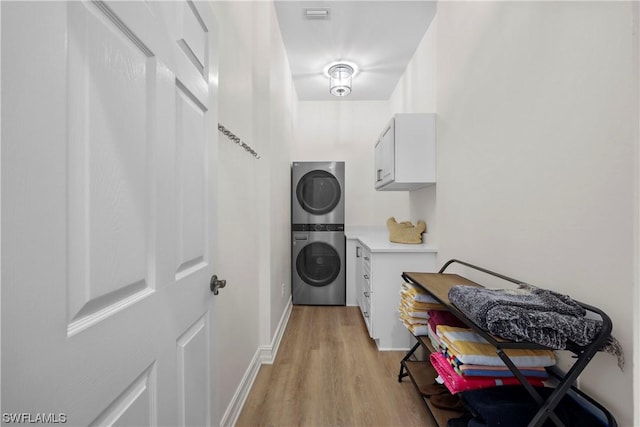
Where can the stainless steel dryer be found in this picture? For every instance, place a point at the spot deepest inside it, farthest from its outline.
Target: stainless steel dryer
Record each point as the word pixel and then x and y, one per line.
pixel 317 193
pixel 318 265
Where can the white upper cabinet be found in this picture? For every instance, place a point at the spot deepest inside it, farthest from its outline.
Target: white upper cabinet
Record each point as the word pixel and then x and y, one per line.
pixel 405 153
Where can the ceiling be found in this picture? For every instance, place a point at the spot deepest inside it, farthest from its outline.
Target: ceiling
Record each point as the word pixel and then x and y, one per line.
pixel 378 37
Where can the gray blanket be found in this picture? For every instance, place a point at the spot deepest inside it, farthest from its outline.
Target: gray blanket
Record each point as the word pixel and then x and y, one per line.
pixel 527 314
pixel 531 314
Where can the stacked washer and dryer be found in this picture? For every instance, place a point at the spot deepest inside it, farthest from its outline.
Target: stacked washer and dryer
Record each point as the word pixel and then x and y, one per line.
pixel 317 233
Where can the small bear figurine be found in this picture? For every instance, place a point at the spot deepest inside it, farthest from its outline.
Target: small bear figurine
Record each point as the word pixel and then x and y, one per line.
pixel 405 231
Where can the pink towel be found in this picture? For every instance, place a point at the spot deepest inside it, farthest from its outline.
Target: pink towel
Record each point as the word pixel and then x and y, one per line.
pixel 455 383
pixel 443 317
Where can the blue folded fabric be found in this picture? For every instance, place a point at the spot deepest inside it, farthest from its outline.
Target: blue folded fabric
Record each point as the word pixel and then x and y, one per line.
pixel 512 406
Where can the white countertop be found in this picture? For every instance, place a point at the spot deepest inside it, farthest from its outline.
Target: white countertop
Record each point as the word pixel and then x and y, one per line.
pixel 376 239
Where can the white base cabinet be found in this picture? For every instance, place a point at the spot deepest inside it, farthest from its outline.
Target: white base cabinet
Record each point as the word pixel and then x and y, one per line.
pixel 377 285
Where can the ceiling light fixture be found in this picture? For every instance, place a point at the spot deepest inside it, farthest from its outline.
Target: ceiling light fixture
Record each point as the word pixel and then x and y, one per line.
pixel 340 79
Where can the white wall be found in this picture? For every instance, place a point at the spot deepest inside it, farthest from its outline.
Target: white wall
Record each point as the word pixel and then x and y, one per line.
pixel 636 234
pixel 257 104
pixel 281 116
pixel 236 337
pixel 416 93
pixel 347 131
pixel 537 107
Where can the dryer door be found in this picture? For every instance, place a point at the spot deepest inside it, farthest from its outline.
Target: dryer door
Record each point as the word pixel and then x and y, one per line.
pixel 318 192
pixel 318 264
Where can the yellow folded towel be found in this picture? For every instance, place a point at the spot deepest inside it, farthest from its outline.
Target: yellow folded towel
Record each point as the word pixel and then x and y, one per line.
pixel 417 294
pixel 469 347
pixel 414 320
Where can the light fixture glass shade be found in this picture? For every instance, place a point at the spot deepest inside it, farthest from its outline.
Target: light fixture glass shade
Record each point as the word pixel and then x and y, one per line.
pixel 340 79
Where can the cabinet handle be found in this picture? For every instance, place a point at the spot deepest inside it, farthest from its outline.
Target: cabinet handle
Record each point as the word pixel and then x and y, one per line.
pixel 366 276
pixel 358 251
pixel 378 175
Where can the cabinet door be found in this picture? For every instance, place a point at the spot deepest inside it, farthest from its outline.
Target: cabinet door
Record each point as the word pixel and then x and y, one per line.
pixel 385 156
pixel 386 281
pixel 358 275
pixel 366 291
pixel 406 153
pixel 378 163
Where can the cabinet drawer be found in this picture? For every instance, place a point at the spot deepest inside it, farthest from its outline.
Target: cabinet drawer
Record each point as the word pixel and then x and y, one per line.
pixel 366 279
pixel 366 312
pixel 366 299
pixel 366 270
pixel 366 258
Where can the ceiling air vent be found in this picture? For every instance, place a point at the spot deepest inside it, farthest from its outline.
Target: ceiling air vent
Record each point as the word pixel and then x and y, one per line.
pixel 315 13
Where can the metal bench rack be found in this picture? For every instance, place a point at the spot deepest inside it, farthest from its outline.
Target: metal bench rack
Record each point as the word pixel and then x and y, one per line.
pixel 438 284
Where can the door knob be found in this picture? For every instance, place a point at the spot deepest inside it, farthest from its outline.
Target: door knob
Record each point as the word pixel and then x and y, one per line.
pixel 216 284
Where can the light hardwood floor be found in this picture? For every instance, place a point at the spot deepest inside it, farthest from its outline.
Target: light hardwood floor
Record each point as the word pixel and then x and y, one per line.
pixel 328 372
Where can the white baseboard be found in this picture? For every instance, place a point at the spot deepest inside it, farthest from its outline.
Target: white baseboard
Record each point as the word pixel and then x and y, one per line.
pixel 240 396
pixel 265 355
pixel 393 349
pixel 268 353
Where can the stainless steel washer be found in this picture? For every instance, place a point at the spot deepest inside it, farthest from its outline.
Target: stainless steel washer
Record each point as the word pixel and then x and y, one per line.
pixel 318 266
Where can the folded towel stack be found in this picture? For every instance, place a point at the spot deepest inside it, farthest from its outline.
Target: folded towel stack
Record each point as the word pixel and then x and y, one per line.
pixel 466 361
pixel 414 306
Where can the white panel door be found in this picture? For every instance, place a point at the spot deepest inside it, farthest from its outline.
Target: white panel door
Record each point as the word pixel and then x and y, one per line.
pixel 108 153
